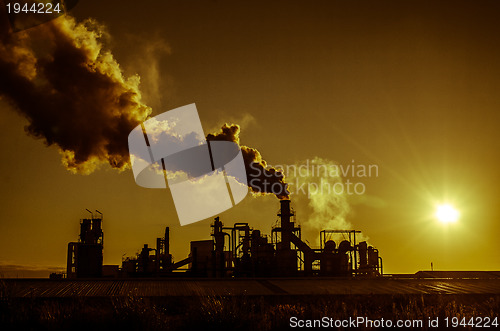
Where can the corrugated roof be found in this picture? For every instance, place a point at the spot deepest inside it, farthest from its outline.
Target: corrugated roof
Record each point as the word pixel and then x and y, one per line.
pixel 458 274
pixel 262 287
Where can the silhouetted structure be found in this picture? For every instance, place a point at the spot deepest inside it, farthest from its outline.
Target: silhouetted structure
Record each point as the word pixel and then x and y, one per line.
pixel 237 251
pixel 148 265
pixel 85 256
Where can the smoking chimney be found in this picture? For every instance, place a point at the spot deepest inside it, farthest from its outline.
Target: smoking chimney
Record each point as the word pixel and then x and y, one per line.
pixel 285 214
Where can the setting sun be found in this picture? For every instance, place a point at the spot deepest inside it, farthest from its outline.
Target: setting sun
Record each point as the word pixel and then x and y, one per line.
pixel 447 214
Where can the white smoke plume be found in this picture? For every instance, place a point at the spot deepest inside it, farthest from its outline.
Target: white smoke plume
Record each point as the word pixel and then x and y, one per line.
pixel 316 196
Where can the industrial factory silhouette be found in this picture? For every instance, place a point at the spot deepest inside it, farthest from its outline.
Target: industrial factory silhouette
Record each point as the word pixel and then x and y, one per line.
pixel 235 251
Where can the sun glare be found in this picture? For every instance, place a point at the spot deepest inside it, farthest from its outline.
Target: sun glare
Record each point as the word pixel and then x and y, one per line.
pixel 447 214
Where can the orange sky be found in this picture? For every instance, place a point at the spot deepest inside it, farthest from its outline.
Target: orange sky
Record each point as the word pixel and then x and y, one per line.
pixel 408 86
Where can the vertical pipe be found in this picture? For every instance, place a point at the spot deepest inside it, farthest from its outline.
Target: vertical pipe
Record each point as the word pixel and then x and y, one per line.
pixel 355 254
pixel 286 230
pixel 167 241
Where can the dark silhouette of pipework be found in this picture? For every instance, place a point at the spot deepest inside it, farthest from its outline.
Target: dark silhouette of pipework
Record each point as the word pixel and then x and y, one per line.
pixel 237 251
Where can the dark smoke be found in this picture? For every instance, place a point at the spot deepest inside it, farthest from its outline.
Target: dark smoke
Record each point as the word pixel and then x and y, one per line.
pixel 72 91
pixel 261 178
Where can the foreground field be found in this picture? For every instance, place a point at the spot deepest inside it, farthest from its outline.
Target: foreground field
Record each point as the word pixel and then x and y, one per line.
pixel 175 287
pixel 228 312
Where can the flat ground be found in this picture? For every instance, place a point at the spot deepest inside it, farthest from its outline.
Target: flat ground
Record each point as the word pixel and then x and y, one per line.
pixel 240 304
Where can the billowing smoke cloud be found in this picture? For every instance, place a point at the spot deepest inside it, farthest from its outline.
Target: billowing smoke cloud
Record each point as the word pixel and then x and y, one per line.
pixel 261 178
pixel 72 91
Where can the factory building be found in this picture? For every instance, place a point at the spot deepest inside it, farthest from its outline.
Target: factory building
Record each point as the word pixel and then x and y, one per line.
pixel 85 256
pixel 235 251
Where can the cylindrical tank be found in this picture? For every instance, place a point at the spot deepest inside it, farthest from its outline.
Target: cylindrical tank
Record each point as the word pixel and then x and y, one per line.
pixel 373 257
pixel 329 246
pixel 363 258
pixel 344 246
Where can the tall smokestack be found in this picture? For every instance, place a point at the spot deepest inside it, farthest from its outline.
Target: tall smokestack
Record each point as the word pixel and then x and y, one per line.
pixel 285 215
pixel 167 241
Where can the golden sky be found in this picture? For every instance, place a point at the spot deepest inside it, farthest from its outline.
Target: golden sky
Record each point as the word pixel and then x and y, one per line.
pixel 409 86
